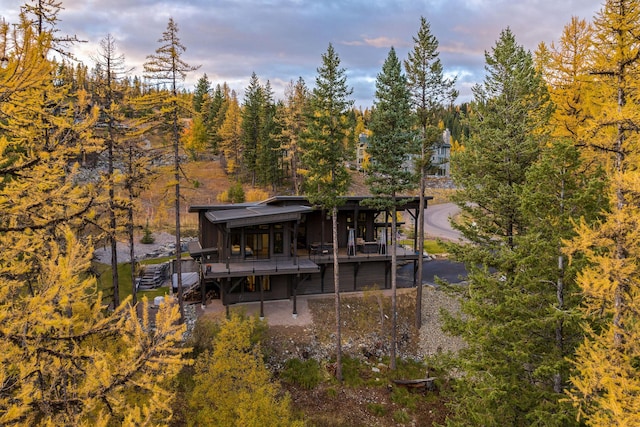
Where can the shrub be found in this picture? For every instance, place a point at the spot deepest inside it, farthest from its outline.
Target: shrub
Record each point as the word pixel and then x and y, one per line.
pixel 223 197
pixel 377 409
pixel 236 193
pixel 401 416
pixel 256 195
pixel 332 392
pixel 351 371
pixel 204 333
pixel 410 369
pixel 147 236
pixel 403 397
pixel 305 373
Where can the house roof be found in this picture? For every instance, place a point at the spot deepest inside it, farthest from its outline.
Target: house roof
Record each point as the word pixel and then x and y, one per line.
pixel 255 214
pixel 216 213
pixel 409 202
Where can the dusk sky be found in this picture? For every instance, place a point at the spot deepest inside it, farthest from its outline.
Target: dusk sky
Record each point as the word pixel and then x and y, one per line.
pixel 281 40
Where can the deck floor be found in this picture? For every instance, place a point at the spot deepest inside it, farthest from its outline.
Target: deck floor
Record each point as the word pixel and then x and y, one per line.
pixel 306 262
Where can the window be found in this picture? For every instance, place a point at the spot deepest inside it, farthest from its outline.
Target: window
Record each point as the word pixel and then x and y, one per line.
pixel 278 242
pixel 257 241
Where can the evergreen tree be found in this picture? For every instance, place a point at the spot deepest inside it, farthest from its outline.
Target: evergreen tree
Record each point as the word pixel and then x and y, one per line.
pixel 429 91
pixel 390 148
pixel 201 93
pixel 167 66
pixel 606 388
pixel 269 153
pixel 325 153
pixel 252 124
pixel 508 127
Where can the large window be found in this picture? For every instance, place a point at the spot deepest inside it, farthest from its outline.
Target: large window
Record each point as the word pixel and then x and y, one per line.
pixel 257 240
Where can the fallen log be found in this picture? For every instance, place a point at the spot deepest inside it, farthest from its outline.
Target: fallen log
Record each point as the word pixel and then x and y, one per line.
pixel 418 383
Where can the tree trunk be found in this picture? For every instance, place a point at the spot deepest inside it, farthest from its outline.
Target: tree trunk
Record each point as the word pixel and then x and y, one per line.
pixel 394 263
pixel 420 232
pixel 178 266
pixel 130 227
pixel 112 223
pixel 336 282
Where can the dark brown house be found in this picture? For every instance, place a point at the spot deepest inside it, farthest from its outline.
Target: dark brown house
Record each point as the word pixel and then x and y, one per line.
pixel 281 247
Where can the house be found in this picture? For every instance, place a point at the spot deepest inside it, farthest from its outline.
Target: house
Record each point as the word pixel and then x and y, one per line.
pixel 361 152
pixel 281 247
pixel 441 155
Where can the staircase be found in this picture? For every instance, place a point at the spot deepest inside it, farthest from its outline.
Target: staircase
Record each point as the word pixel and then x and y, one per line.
pixel 153 276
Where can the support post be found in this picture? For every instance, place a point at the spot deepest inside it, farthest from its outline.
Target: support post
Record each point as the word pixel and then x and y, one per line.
pixel 295 294
pixel 259 280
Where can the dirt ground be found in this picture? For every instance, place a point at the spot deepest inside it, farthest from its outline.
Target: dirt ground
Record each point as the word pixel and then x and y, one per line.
pixel 365 335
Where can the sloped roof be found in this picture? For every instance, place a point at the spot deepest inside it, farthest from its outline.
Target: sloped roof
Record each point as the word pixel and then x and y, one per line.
pixel 256 215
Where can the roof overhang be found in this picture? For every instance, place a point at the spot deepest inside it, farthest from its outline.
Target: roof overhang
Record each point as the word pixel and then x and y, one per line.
pixel 256 215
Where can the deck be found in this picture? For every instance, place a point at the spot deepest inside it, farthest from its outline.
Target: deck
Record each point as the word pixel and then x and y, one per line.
pixel 306 262
pixel 260 267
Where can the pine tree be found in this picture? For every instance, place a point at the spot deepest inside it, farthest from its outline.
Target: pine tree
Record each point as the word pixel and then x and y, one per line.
pixel 560 189
pixel 252 123
pixel 508 128
pixel 325 153
pixel 167 66
pixel 201 94
pixel 606 388
pixel 429 91
pixel 390 147
pixel 269 154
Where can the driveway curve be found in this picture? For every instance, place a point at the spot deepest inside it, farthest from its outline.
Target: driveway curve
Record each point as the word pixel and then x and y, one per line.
pixel 437 222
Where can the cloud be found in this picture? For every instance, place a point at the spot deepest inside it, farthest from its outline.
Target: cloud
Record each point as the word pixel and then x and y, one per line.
pixel 282 40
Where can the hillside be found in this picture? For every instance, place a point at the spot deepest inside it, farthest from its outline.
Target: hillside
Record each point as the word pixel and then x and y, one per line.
pixel 203 181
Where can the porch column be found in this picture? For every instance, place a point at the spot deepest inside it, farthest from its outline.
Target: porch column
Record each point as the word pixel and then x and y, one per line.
pixel 387 268
pixel 203 290
pixel 296 281
pixel 259 280
pixel 224 296
pixel 356 267
pixel 295 243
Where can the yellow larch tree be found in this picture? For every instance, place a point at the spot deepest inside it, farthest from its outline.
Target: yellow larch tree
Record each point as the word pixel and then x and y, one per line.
pixel 65 359
pixel 606 388
pixel 565 66
pixel 233 387
pixel 230 136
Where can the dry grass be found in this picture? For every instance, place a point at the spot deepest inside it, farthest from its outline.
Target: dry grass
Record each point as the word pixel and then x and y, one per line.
pixel 204 180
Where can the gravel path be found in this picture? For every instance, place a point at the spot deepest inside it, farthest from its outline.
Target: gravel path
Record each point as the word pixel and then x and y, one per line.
pixel 432 340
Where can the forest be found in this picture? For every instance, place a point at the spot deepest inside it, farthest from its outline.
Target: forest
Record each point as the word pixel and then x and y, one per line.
pixel 545 165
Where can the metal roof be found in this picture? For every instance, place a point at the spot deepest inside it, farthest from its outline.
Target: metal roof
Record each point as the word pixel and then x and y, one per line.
pixel 256 215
